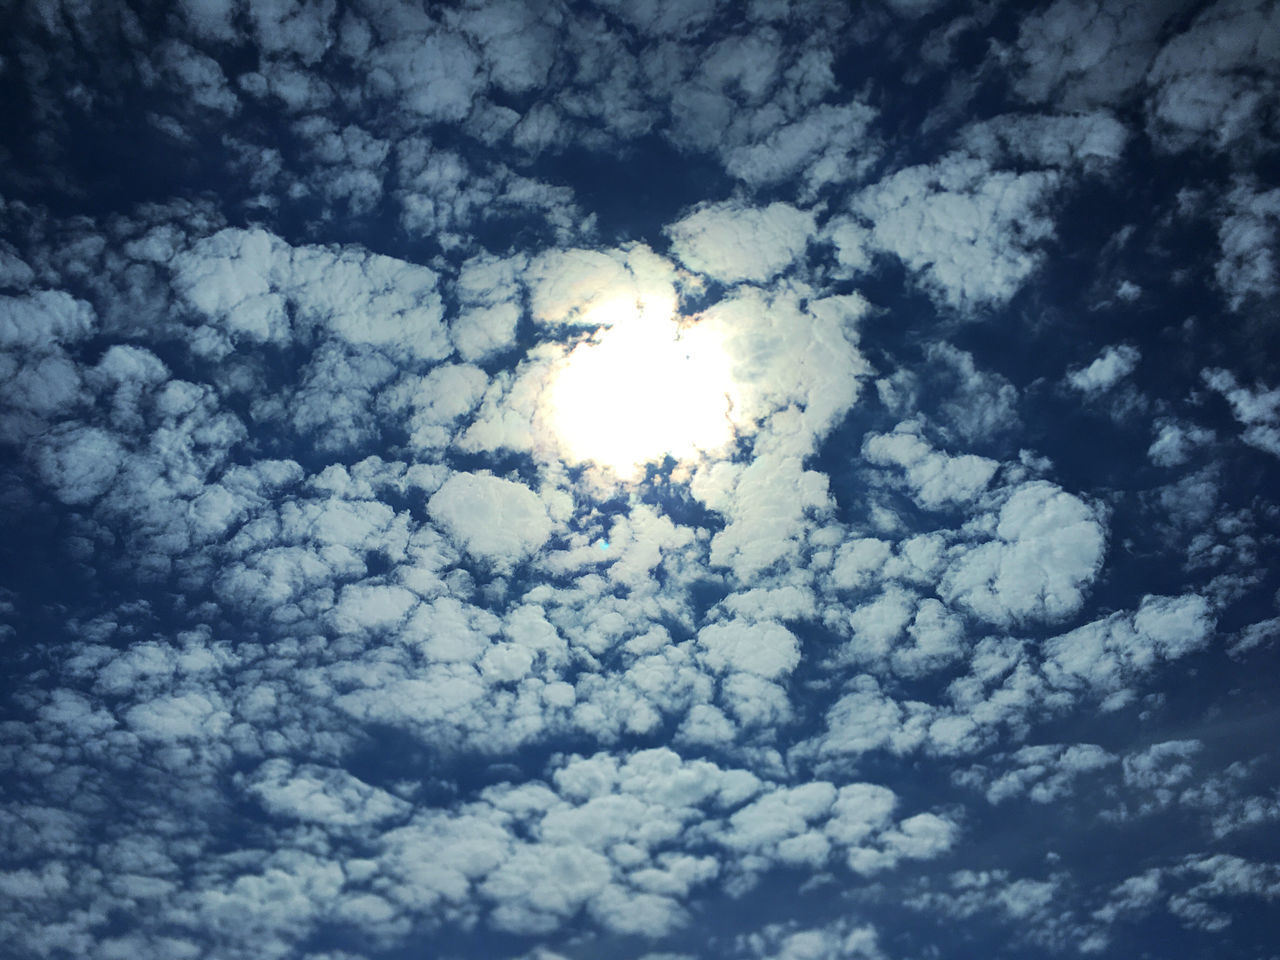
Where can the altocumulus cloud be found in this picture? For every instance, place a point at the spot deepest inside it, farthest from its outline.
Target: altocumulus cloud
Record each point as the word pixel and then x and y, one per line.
pixel 898 579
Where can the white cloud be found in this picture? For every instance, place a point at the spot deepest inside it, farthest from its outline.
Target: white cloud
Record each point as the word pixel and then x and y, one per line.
pixel 1091 139
pixel 730 242
pixel 867 719
pixel 1257 409
pixel 434 75
pixel 858 561
pixel 1111 366
pixel 664 17
pixel 178 717
pixel 1082 53
pixel 1048 772
pixel 492 518
pixel 921 837
pixel 239 632
pixel 1210 84
pixel 765 648
pixel 518 43
pixel 1175 442
pixel 79 462
pixel 1247 238
pixel 1048 546
pixel 438 400
pixel 249 281
pixel 1106 654
pixel 969 231
pixel 42 319
pixel 198 76
pixel 564 285
pixel 935 478
pixel 839 940
pixel 321 795
pixel 1161 765
pixel 826 145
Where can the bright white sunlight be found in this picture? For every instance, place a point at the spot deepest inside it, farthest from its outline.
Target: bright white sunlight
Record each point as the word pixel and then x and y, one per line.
pixel 642 388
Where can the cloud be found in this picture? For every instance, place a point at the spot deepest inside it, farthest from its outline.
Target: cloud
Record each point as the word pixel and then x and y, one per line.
pixel 766 649
pixel 1044 773
pixel 1081 53
pixel 1247 240
pixel 319 645
pixel 1106 653
pixel 1092 140
pixel 793 941
pixel 728 242
pixel 250 283
pixel 1209 83
pixel 42 319
pixel 317 795
pixel 935 479
pixel 1047 547
pixel 820 147
pixel 1111 366
pixel 1175 442
pixel 1258 409
pixel 493 519
pixel 951 224
pixel 79 462
pixel 1162 765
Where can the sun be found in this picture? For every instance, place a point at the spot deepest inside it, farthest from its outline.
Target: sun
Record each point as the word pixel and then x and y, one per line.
pixel 644 387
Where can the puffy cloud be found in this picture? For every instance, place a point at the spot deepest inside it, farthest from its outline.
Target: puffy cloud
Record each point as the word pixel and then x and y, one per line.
pixel 1106 653
pixel 494 519
pixel 729 242
pixel 1247 238
pixel 611 837
pixel 79 462
pixel 435 75
pixel 198 76
pixel 822 146
pixel 566 286
pixel 272 487
pixel 867 719
pixel 664 17
pixel 1162 765
pixel 1090 139
pixel 489 288
pixel 1175 442
pixel 834 941
pixel 922 837
pixel 1223 876
pixel 952 223
pixel 317 795
pixel 1210 82
pixel 251 283
pixel 42 319
pixel 178 717
pixel 766 649
pixel 1081 53
pixel 1258 409
pixel 1044 773
pixel 1111 366
pixel 935 478
pixel 983 403
pixel 1048 546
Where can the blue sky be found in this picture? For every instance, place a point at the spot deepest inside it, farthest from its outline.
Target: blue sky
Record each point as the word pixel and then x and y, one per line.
pixel 662 480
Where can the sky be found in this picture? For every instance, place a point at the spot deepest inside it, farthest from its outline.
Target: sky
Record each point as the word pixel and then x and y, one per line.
pixel 639 479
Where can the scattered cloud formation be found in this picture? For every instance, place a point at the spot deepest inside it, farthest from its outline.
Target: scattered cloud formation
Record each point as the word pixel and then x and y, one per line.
pixel 661 479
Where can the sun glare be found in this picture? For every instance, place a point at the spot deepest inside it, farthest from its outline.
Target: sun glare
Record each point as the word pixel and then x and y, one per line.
pixel 644 387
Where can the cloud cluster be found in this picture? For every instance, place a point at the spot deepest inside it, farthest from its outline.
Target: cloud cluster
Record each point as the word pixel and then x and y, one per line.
pixel 321 640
